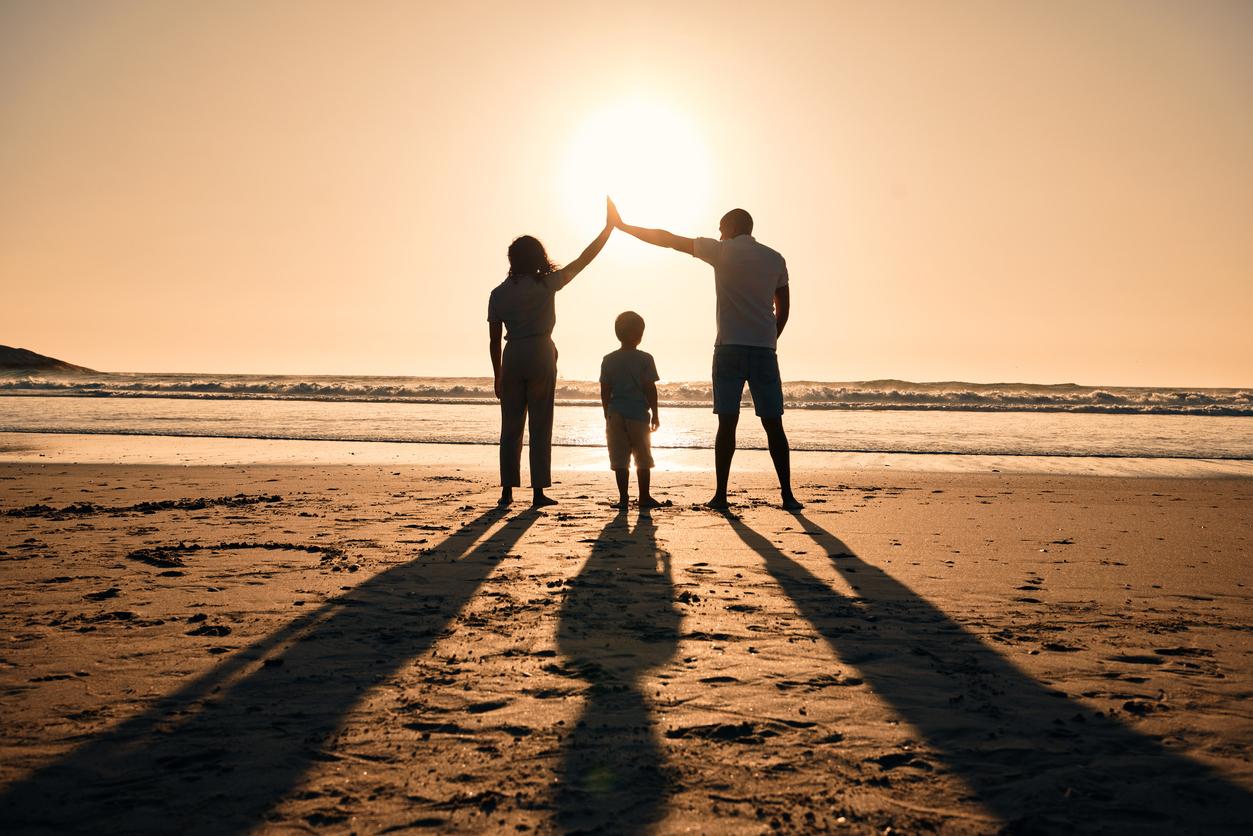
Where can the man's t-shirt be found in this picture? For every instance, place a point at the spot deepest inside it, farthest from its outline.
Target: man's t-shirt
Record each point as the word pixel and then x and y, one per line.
pixel 526 305
pixel 746 275
pixel 628 371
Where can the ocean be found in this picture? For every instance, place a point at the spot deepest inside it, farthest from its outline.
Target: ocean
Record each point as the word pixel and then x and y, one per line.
pixel 888 416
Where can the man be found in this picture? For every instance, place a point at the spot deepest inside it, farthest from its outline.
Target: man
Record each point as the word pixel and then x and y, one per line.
pixel 753 302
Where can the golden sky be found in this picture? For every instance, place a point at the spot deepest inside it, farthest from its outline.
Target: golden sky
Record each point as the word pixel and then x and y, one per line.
pixel 986 191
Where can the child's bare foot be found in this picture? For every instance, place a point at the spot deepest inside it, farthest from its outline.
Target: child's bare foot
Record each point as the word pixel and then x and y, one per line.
pixel 541 500
pixel 650 502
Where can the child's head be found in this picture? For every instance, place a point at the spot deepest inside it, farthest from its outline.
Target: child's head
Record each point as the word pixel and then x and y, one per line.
pixel 629 326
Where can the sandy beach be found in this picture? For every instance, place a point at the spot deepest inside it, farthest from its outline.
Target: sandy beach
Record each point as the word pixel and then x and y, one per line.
pixel 293 288
pixel 368 648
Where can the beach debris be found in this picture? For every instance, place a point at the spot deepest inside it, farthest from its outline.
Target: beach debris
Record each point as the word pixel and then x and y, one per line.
pixel 1182 651
pixel 210 630
pixel 745 732
pixel 819 682
pixel 894 759
pixel 484 707
pixel 167 556
pixel 1142 708
pixel 83 509
pixel 1135 658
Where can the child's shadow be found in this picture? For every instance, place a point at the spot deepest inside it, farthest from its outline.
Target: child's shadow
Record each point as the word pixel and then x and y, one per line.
pixel 618 622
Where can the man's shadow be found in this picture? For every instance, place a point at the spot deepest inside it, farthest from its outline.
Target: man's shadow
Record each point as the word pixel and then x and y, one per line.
pixel 618 622
pixel 1034 757
pixel 218 754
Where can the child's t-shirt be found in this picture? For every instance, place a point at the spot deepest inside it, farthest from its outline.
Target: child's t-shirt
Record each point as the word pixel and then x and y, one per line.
pixel 627 371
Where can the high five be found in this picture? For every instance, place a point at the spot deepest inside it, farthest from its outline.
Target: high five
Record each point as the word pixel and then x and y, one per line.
pixel 752 306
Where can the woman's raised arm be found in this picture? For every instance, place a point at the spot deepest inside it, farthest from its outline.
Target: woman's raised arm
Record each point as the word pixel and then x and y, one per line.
pixel 567 273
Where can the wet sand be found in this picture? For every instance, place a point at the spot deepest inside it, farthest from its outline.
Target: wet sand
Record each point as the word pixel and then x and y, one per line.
pixel 371 647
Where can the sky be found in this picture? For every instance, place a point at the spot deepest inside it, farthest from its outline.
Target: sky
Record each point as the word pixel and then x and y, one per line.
pixel 992 191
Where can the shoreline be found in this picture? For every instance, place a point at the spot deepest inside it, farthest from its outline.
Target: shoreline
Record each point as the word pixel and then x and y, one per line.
pixel 107 448
pixel 600 445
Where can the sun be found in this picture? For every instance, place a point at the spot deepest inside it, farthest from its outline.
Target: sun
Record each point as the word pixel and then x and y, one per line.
pixel 648 157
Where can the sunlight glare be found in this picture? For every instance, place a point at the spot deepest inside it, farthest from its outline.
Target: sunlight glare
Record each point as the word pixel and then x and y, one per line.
pixel 649 158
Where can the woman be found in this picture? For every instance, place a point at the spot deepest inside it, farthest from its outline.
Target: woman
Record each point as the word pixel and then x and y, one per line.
pixel 523 306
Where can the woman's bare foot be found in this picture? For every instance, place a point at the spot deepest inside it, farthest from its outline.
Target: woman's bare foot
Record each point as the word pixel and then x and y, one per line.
pixel 649 502
pixel 541 500
pixel 719 502
pixel 622 504
pixel 791 503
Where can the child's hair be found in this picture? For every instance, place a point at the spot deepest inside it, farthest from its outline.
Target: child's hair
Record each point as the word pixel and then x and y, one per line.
pixel 629 326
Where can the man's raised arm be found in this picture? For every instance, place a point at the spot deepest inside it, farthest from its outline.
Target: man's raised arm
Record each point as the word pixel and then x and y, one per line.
pixel 656 237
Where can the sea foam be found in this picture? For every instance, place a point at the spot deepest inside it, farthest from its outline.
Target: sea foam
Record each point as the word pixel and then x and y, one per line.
pixel 878 394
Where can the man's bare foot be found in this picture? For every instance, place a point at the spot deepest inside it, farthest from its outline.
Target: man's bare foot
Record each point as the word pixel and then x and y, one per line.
pixel 718 503
pixel 791 503
pixel 541 500
pixel 649 502
pixel 506 496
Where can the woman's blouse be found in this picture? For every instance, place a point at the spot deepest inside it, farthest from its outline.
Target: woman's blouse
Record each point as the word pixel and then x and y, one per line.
pixel 526 305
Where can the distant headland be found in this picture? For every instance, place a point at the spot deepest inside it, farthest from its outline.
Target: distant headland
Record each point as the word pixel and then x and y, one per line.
pixel 25 360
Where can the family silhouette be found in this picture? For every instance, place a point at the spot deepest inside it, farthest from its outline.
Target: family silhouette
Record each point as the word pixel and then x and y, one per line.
pixel 752 305
pixel 223 752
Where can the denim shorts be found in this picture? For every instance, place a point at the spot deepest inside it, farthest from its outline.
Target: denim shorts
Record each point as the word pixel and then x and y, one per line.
pixel 735 365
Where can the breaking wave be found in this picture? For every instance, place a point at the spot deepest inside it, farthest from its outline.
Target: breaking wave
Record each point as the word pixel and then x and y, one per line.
pixel 878 394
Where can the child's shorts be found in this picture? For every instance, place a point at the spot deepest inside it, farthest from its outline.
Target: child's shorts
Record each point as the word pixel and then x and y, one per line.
pixel 626 437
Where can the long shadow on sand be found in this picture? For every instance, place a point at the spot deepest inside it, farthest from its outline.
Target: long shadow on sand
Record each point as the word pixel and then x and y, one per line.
pixel 216 755
pixel 1035 758
pixel 618 622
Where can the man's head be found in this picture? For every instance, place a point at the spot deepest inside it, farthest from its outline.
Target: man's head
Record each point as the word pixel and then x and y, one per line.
pixel 736 222
pixel 629 326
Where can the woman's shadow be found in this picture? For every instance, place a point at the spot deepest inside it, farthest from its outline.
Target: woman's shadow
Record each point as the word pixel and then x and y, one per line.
pixel 1039 760
pixel 216 755
pixel 618 622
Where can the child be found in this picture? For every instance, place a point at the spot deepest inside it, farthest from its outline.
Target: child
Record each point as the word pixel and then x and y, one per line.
pixel 628 391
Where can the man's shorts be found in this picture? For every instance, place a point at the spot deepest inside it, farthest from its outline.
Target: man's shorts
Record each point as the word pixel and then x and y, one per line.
pixel 734 365
pixel 627 437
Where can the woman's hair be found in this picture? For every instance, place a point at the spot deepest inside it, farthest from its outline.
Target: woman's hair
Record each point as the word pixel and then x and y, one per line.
pixel 528 258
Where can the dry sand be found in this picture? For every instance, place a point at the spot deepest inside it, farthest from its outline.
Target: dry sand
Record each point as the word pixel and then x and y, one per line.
pixel 375 647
